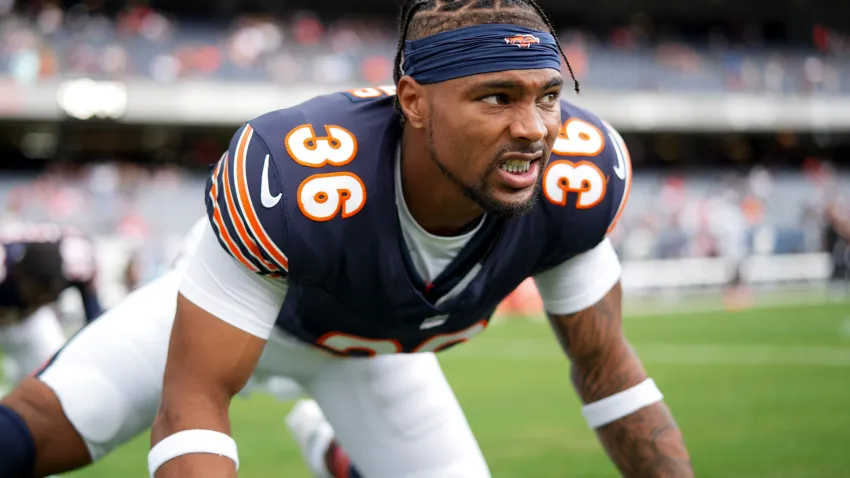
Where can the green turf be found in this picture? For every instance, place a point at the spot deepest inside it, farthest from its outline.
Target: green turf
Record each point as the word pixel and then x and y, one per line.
pixel 761 393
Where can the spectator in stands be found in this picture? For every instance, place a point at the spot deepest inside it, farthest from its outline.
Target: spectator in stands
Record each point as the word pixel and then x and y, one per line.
pixel 838 237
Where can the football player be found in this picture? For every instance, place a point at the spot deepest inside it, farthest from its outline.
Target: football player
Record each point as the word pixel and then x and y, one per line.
pixel 838 217
pixel 838 237
pixel 407 218
pixel 37 263
pixel 353 231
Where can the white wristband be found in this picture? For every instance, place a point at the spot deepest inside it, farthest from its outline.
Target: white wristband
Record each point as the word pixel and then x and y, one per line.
pixel 191 441
pixel 605 411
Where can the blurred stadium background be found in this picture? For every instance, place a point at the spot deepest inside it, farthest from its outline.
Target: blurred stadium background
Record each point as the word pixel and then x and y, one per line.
pixel 737 116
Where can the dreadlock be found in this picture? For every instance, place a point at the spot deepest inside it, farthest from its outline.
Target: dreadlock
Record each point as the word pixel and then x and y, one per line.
pixel 421 18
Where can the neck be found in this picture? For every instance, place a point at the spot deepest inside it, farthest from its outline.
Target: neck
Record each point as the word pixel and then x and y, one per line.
pixel 436 203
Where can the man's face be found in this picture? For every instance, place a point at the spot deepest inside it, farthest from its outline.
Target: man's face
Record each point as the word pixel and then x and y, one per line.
pixel 492 134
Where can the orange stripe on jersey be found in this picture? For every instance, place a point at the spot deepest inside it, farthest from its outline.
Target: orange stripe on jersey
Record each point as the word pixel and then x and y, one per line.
pixel 247 206
pixel 238 224
pixel 621 148
pixel 218 221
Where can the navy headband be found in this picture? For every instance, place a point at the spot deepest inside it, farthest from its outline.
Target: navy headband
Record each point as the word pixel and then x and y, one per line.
pixel 479 49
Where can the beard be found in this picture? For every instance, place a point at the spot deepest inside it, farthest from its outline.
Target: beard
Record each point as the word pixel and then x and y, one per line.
pixel 479 193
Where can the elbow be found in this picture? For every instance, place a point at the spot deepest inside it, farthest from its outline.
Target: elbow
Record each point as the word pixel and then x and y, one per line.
pixel 165 422
pixel 611 370
pixel 185 410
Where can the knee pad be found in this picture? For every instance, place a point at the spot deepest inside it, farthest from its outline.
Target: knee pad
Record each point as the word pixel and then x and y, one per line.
pixel 17 448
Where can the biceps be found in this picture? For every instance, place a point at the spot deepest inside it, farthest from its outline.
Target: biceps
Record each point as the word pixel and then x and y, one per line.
pixel 218 284
pixel 593 332
pixel 208 356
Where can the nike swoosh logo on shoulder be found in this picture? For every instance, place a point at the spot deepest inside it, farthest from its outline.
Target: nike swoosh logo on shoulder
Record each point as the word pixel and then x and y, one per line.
pixel 266 197
pixel 620 168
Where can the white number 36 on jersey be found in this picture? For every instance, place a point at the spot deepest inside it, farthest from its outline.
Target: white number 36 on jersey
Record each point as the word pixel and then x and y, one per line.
pixel 321 197
pixel 578 138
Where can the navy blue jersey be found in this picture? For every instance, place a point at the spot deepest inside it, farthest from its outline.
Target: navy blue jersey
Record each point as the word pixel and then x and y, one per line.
pixel 308 194
pixel 78 264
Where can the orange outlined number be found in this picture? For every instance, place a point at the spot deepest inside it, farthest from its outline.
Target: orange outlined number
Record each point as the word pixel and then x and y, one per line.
pixel 377 92
pixel 322 196
pixel 440 342
pixel 345 344
pixel 337 148
pixel 579 138
pixel 576 138
pixel 583 178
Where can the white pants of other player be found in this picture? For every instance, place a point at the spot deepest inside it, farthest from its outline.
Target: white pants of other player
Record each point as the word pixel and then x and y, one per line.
pixel 28 344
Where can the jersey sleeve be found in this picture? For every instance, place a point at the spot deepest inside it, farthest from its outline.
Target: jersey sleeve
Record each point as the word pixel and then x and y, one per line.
pixel 620 181
pixel 585 185
pixel 585 191
pixel 580 281
pixel 245 207
pixel 219 284
pixel 589 174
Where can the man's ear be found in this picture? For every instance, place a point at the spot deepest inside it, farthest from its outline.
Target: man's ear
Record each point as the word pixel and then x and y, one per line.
pixel 412 97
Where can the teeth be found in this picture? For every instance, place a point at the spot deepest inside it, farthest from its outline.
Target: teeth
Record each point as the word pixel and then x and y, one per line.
pixel 516 166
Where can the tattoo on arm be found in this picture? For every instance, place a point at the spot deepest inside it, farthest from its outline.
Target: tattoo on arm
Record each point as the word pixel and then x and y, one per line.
pixel 646 443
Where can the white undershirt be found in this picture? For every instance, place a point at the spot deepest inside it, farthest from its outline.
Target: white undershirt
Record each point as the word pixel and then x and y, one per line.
pixel 430 254
pixel 223 287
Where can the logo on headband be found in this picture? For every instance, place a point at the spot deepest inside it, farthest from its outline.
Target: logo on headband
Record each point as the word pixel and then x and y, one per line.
pixel 522 41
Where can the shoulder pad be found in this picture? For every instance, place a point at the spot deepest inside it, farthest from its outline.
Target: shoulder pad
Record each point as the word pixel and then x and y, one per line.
pixel 290 166
pixel 369 94
pixel 242 197
pixel 589 173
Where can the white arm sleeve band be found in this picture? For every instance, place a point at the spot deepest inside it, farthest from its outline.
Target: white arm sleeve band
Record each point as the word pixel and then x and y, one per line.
pixel 581 281
pixel 189 442
pixel 605 411
pixel 220 285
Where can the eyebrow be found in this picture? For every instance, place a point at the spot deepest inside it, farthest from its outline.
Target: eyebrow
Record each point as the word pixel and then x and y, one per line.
pixel 513 85
pixel 556 81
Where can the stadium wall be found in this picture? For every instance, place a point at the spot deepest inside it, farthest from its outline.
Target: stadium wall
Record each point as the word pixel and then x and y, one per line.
pixel 224 103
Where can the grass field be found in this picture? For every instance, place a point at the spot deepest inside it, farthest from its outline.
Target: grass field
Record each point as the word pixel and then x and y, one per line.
pixel 758 393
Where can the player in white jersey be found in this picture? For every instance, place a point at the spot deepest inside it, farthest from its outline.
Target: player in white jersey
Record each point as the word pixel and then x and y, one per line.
pixel 103 387
pixel 80 382
pixel 37 263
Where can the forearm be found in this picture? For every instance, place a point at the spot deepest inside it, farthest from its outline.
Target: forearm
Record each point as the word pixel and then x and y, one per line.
pixel 199 413
pixel 645 443
pixel 91 304
pixel 642 439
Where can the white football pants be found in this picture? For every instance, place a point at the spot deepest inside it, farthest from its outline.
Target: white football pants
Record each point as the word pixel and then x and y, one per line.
pixel 395 415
